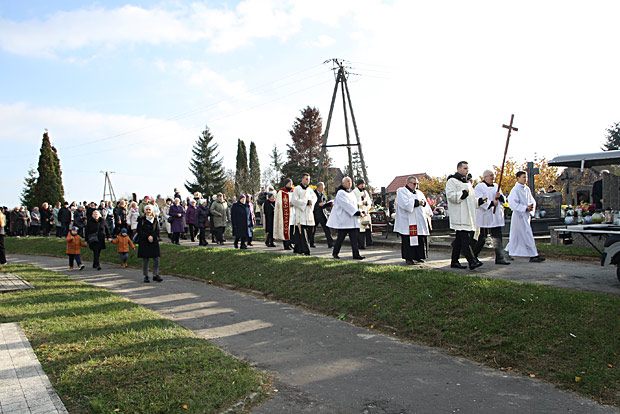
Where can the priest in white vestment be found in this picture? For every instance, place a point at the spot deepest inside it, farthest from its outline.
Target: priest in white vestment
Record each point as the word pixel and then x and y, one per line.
pixel 345 218
pixel 411 221
pixel 284 215
pixel 303 202
pixel 364 203
pixel 523 206
pixel 462 206
pixel 490 216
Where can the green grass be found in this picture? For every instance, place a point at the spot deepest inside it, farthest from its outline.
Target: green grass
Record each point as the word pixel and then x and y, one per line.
pixel 567 251
pixel 104 354
pixel 552 333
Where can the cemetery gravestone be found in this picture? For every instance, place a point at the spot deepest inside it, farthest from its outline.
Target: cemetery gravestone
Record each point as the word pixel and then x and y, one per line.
pixel 551 203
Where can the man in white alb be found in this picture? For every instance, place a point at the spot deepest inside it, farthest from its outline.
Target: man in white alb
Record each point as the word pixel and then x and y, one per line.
pixel 523 206
pixel 490 216
pixel 303 221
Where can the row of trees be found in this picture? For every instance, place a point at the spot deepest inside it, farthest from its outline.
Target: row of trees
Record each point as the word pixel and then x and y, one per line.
pixel 303 154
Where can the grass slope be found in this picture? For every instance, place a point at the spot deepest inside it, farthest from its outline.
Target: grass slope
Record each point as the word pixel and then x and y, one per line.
pixel 569 338
pixel 104 354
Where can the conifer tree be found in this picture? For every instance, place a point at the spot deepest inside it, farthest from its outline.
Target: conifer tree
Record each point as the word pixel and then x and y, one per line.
pixel 303 154
pixel 612 139
pixel 242 173
pixel 48 186
pixel 254 170
pixel 27 196
pixel 206 166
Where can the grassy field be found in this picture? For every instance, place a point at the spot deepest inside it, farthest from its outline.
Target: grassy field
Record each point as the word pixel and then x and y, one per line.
pixel 566 337
pixel 104 354
pixel 561 252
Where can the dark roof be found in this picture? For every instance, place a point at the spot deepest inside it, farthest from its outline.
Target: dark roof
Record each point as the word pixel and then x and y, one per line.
pixel 401 180
pixel 586 160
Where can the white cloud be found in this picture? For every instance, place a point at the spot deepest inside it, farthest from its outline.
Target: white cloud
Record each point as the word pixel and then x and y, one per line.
pixel 152 151
pixel 323 41
pixel 99 29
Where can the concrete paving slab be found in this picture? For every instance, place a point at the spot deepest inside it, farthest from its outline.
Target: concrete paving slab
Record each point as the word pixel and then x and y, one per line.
pixel 328 366
pixel 24 387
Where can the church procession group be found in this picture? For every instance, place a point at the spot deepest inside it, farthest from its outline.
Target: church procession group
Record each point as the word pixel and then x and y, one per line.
pixel 293 215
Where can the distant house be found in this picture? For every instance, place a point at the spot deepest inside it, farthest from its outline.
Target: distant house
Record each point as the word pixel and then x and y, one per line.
pixel 401 180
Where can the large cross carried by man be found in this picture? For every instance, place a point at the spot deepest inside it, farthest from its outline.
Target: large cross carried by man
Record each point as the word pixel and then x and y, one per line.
pixel 510 129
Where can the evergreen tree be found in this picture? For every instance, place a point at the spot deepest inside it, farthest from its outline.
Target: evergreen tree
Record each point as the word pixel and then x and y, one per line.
pixel 206 166
pixel 612 138
pixel 27 197
pixel 49 183
pixel 254 170
pixel 242 173
pixel 303 154
pixel 274 172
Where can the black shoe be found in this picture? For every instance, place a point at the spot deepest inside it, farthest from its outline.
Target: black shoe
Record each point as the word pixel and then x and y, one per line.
pixel 306 254
pixel 359 257
pixel 330 245
pixel 236 246
pixel 244 247
pixel 409 262
pixel 98 267
pixel 510 258
pixel 271 245
pixel 313 246
pixel 287 248
pixel 81 267
pixel 250 244
pixel 156 278
pixel 502 262
pixel 457 265
pixel 335 256
pixel 421 260
pixel 475 265
pixel 537 259
pixel 146 279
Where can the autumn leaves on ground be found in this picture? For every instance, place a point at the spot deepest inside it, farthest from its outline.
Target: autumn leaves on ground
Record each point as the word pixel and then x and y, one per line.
pixel 566 337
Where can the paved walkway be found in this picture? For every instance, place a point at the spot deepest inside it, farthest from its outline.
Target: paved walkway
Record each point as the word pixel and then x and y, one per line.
pixel 585 276
pixel 24 387
pixel 9 282
pixel 328 366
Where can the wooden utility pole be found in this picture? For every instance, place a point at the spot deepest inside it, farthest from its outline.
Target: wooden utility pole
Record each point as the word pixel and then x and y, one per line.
pixel 341 81
pixel 107 186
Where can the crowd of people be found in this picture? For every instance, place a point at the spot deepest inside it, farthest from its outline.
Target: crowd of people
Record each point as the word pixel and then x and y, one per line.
pixel 292 215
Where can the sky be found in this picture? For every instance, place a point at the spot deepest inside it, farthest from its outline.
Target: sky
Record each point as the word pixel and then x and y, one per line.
pixel 128 86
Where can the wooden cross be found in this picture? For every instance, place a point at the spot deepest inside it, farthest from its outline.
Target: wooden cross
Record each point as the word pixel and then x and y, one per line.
pixel 531 172
pixel 501 174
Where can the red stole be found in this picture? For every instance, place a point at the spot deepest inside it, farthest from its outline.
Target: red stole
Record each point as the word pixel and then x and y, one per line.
pixel 286 214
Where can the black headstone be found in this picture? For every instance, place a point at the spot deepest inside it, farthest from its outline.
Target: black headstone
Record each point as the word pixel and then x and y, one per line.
pixel 550 203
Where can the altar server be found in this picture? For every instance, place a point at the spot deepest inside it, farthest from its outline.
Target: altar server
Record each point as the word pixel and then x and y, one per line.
pixel 364 203
pixel 304 199
pixel 461 211
pixel 411 221
pixel 344 218
pixel 284 215
pixel 523 206
pixel 490 216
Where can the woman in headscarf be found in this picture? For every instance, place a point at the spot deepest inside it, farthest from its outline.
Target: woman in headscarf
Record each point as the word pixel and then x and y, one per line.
pixel 177 227
pixel 2 251
pixel 269 208
pixel 97 232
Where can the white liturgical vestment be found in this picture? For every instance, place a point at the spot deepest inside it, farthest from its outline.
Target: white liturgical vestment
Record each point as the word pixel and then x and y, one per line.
pixel 521 236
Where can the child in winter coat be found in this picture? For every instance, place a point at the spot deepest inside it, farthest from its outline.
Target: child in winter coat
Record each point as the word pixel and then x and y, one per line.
pixel 124 243
pixel 74 242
